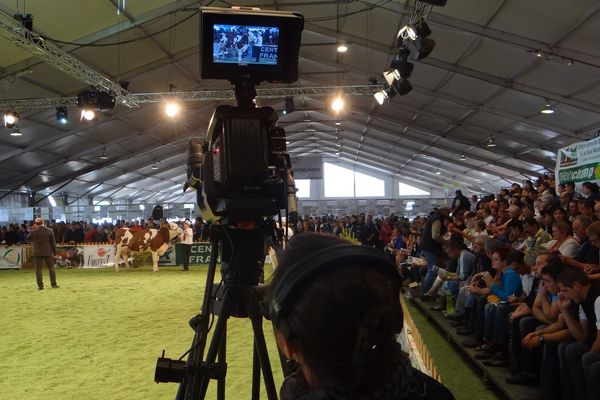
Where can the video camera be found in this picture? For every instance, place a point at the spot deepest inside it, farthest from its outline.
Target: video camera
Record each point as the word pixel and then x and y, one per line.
pixel 242 170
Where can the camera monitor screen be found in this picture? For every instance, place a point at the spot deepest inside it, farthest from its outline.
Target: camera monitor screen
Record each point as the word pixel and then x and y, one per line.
pixel 250 45
pixel 244 45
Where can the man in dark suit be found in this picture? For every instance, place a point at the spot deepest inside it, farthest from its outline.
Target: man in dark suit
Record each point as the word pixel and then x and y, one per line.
pixel 44 249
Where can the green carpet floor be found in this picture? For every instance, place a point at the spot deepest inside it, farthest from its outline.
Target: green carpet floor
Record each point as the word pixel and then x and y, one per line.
pixel 99 334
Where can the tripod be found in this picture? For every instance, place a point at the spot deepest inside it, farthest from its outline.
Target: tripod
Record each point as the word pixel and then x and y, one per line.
pixel 242 256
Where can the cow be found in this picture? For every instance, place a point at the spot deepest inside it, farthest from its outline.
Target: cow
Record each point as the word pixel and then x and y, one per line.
pixel 156 241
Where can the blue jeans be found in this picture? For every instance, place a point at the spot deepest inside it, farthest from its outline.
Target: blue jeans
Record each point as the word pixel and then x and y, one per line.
pixel 430 275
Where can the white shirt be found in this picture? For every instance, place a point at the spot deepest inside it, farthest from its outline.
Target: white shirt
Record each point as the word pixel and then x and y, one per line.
pixel 583 317
pixel 187 236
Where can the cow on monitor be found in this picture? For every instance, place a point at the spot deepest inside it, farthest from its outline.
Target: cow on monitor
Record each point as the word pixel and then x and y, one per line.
pixel 156 241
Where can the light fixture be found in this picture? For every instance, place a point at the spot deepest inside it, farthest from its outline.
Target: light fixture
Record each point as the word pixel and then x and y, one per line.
pixel 154 166
pixel 338 104
pixel 547 108
pixel 172 109
pixel 402 87
pixel 96 100
pixel 103 156
pixel 406 32
pixel 62 115
pixel 462 157
pixel 491 143
pixel 342 48
pixel 87 114
pixel 16 132
pixel 422 45
pixel 338 144
pixel 338 122
pixel 438 172
pixel 385 94
pixel 11 119
pixel 290 107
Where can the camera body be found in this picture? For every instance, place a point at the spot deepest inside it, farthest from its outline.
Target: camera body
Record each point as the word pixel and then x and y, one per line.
pixel 240 171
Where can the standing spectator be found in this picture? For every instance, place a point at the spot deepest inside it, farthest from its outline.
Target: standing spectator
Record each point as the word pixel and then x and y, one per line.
pixel 187 237
pixel 43 250
pixel 460 203
pixel 431 244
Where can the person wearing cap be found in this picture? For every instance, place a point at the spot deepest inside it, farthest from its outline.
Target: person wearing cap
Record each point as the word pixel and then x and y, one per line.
pixel 187 238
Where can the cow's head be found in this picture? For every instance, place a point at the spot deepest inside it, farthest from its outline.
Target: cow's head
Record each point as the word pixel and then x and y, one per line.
pixel 174 231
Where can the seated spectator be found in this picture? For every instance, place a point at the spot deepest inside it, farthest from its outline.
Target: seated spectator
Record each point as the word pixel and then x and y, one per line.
pixel 577 289
pixel 536 238
pixel 587 257
pixel 562 243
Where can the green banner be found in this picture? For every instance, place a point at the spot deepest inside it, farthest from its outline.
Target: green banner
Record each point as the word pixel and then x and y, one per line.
pixel 581 173
pixel 199 254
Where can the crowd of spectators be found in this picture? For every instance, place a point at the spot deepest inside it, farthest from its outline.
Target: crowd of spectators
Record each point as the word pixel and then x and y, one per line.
pixel 81 232
pixel 519 270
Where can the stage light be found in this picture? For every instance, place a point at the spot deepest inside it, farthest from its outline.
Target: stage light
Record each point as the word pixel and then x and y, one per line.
pixel 62 115
pixel 88 115
pixel 172 109
pixel 402 87
pixel 491 143
pixel 338 104
pixel 96 100
pixel 103 156
pixel 401 68
pixel 16 132
pixel 421 48
pixel 290 107
pixel 385 94
pixel 407 32
pixel 547 108
pixel 342 48
pixel 11 119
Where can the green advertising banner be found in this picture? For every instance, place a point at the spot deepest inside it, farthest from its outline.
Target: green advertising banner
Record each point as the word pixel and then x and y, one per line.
pixel 199 254
pixel 579 162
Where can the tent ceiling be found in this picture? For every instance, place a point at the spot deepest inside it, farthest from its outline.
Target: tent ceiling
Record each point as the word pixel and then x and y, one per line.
pixel 482 81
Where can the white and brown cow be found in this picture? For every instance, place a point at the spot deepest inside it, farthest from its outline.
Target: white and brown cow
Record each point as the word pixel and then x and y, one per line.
pixel 154 240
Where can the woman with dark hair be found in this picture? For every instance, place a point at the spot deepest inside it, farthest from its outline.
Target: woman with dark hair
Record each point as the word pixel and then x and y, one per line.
pixel 590 190
pixel 336 310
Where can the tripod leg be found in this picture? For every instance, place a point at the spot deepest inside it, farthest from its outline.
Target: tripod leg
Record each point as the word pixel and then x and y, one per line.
pixel 199 391
pixel 222 360
pixel 255 374
pixel 263 356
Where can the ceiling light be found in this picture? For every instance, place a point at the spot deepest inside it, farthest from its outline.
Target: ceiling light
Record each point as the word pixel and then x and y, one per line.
pixel 547 108
pixel 62 115
pixel 338 122
pixel 154 166
pixel 491 143
pixel 342 48
pixel 402 87
pixel 11 119
pixel 96 100
pixel 407 32
pixel 88 115
pixel 438 172
pixel 172 109
pixel 103 156
pixel 338 104
pixel 16 132
pixel 290 107
pixel 462 157
pixel 382 95
pixel 338 144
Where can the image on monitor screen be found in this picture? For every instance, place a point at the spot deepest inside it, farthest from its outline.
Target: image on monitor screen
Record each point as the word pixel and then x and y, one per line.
pixel 245 45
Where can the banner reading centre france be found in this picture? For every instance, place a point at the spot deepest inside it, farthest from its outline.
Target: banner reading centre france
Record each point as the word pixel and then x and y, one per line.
pixel 579 162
